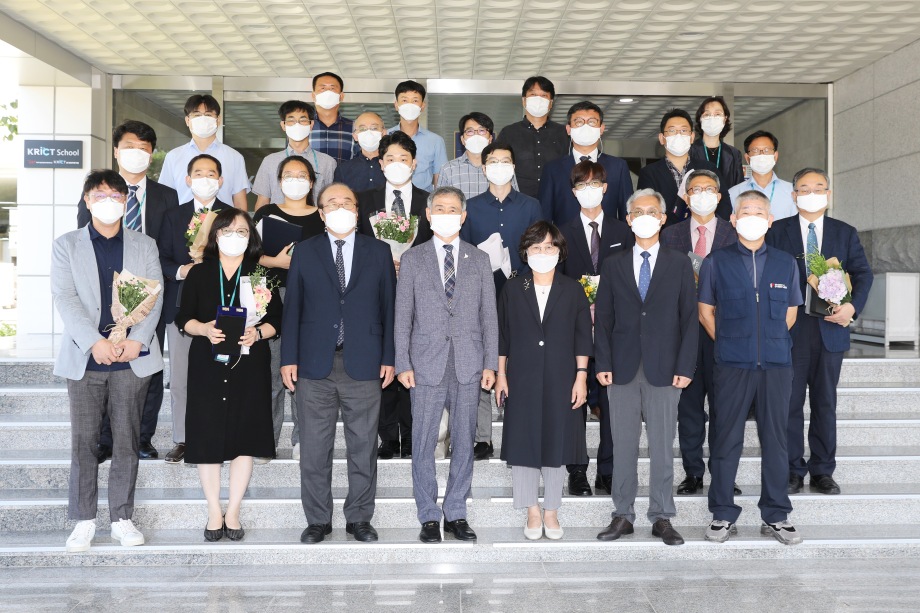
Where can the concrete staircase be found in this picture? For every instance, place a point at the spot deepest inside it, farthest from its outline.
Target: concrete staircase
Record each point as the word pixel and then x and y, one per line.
pixel 877 515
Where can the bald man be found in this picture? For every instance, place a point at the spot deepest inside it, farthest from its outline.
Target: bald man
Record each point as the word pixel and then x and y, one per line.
pixel 362 172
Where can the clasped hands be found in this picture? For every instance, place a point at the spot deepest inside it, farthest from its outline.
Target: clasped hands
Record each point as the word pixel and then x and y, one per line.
pixel 106 352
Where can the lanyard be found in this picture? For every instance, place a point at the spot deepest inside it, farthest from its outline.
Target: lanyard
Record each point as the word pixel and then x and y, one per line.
pixel 772 191
pixel 236 284
pixel 291 152
pixel 718 156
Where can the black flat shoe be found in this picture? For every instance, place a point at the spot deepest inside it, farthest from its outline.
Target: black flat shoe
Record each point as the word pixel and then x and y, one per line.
pixel 146 451
pixel 234 534
pixel 363 531
pixel 690 486
pixel 315 533
pixel 603 483
pixel 431 532
pixel 824 484
pixel 212 536
pixel 460 529
pixel 796 483
pixel 578 484
pixel 483 451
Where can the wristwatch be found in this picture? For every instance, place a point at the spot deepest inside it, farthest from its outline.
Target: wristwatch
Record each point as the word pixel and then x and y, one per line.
pixel 259 330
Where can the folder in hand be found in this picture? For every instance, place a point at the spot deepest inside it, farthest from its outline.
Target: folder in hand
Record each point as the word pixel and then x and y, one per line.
pixel 232 322
pixel 277 234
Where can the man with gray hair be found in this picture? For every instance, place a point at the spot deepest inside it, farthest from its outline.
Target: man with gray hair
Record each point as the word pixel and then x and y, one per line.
pixel 446 338
pixel 646 337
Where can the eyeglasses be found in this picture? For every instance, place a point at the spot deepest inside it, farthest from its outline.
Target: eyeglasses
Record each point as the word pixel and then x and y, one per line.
pixel 637 213
pixel 675 131
pixel 544 249
pixel 348 205
pixel 594 123
pixel 712 116
pixel 290 176
pixel 100 196
pixel 242 232
pixel 196 114
pixel 375 128
pixel 304 121
pixel 700 190
pixel 480 131
pixel 820 191
pixel 493 161
pixel 762 151
pixel 584 184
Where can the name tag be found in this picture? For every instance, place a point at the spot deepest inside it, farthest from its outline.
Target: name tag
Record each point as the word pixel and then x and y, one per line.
pixel 778 286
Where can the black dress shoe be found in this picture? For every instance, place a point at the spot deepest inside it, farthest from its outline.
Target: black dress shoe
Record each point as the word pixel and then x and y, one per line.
pixel 405 449
pixel 315 533
pixel 431 532
pixel 666 532
pixel 175 454
pixel 603 483
pixel 796 483
pixel 578 483
pixel 482 451
pixel 736 489
pixel 824 484
pixel 363 531
pixel 146 451
pixel 212 536
pixel 690 485
pixel 387 450
pixel 460 529
pixel 617 528
pixel 103 453
pixel 234 534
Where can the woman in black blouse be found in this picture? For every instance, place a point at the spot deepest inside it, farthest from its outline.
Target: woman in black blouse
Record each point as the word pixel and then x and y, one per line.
pixel 229 401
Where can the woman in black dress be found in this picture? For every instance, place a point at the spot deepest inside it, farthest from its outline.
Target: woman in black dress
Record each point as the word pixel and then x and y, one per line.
pixel 544 344
pixel 297 179
pixel 229 402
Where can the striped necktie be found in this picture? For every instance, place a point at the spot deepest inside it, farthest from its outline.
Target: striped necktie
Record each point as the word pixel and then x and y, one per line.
pixel 449 275
pixel 133 214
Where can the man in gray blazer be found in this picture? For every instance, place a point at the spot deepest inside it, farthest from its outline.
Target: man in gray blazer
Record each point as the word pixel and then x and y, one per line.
pixel 103 376
pixel 446 337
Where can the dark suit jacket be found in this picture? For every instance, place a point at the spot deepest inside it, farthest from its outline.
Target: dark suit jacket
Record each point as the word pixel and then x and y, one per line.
pixel 658 177
pixel 678 237
pixel 662 333
pixel 560 204
pixel 373 201
pixel 730 160
pixel 159 201
pixel 840 240
pixel 174 253
pixel 314 306
pixel 615 236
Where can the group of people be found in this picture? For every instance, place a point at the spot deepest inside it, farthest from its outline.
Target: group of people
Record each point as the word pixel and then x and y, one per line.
pixel 697 279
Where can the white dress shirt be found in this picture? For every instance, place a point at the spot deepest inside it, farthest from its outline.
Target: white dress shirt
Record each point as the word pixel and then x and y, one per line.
pixel 593 155
pixel 637 259
pixel 348 251
pixel 405 192
pixel 695 234
pixel 439 251
pixel 586 223
pixel 198 208
pixel 819 231
pixel 542 296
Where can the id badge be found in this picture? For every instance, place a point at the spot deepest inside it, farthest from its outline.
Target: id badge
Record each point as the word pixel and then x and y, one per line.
pixel 223 359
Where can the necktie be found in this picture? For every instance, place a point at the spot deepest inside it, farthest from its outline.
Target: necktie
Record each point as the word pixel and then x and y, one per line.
pixel 645 275
pixel 812 246
pixel 700 248
pixel 595 245
pixel 399 208
pixel 133 216
pixel 584 158
pixel 340 268
pixel 449 277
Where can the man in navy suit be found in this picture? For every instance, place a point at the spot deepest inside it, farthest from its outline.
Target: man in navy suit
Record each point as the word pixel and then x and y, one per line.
pixel 818 343
pixel 591 237
pixel 665 175
pixel 336 350
pixel 146 206
pixel 585 127
pixel 697 237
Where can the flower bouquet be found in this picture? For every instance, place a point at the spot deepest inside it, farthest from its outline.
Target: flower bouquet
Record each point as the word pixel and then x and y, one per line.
pixel 830 285
pixel 196 235
pixel 589 284
pixel 396 231
pixel 132 300
pixel 255 294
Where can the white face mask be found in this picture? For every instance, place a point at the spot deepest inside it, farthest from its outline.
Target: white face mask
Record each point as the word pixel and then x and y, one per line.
pixel 203 126
pixel 205 188
pixel 762 164
pixel 751 227
pixel 476 143
pixel 108 211
pixel 542 263
pixel 328 99
pixel 538 106
pixel 369 139
pixel 410 112
pixel 233 245
pixel 397 173
pixel 703 204
pixel 341 221
pixel 295 189
pixel 712 126
pixel 645 226
pixel 590 197
pixel 297 132
pixel 678 144
pixel 445 226
pixel 499 174
pixel 585 135
pixel 133 160
pixel 811 203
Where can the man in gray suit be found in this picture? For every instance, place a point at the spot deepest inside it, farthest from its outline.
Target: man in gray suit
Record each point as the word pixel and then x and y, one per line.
pixel 446 337
pixel 100 373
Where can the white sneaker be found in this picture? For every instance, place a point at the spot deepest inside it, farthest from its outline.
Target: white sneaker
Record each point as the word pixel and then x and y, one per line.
pixel 82 536
pixel 295 454
pixel 126 533
pixel 783 531
pixel 720 530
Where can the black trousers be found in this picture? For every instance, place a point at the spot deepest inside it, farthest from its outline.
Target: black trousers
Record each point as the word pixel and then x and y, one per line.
pixel 395 414
pixel 691 410
pixel 152 404
pixel 597 396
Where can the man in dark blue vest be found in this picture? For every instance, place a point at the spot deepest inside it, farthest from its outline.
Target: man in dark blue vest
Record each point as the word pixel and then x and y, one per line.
pixel 748 299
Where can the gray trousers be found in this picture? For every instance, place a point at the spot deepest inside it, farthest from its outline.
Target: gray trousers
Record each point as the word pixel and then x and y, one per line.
pixel 428 403
pixel 484 418
pixel 179 345
pixel 279 392
pixel 124 394
pixel 318 402
pixel 525 483
pixel 629 405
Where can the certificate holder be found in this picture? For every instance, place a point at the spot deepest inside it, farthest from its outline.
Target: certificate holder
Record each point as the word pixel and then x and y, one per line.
pixel 232 322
